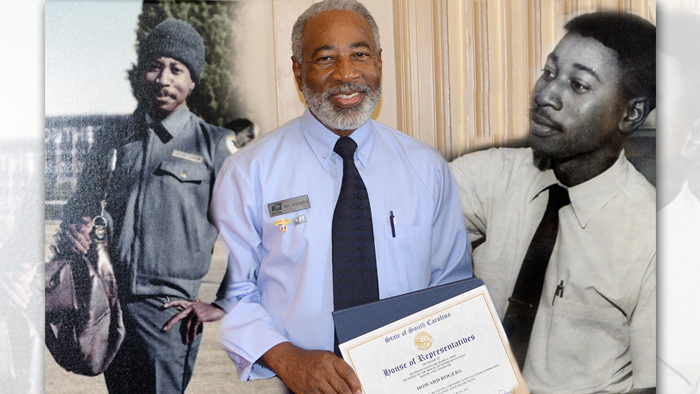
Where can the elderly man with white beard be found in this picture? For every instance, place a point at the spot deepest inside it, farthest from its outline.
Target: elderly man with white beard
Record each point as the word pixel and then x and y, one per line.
pixel 328 211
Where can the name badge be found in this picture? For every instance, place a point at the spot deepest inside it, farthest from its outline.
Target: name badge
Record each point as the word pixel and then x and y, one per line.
pixel 289 205
pixel 188 156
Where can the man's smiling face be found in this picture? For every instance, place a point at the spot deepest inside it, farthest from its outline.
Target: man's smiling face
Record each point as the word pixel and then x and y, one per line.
pixel 340 73
pixel 166 85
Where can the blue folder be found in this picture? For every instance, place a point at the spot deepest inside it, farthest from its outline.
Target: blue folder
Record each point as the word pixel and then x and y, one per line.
pixel 352 322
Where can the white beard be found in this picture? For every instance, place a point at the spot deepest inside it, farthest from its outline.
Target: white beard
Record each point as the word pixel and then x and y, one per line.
pixel 336 118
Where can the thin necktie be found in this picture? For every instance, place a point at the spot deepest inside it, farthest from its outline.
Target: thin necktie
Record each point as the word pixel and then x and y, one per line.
pixel 522 309
pixel 354 260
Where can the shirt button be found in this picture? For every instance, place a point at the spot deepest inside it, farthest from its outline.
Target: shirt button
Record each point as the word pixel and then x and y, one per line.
pixel 183 175
pixel 364 154
pixel 323 155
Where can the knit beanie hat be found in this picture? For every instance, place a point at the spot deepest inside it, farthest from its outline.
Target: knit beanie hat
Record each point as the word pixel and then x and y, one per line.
pixel 178 40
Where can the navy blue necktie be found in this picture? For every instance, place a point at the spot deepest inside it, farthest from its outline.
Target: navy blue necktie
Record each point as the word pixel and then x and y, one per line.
pixel 523 304
pixel 354 259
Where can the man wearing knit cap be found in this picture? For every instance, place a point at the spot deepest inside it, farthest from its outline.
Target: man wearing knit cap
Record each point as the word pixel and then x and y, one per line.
pixel 158 197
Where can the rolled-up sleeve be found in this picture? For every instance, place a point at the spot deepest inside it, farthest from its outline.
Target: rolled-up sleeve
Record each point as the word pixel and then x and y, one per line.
pixel 247 330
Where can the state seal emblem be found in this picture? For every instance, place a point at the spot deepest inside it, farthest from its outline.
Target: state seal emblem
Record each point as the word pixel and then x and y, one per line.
pixel 423 341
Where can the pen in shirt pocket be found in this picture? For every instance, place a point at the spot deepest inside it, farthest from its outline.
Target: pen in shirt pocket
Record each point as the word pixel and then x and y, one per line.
pixel 559 292
pixel 392 221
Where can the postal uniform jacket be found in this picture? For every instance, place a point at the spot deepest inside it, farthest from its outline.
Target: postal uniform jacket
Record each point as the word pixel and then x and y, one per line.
pixel 158 200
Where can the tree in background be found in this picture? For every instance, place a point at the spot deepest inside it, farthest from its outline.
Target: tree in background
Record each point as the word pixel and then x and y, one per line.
pixel 214 99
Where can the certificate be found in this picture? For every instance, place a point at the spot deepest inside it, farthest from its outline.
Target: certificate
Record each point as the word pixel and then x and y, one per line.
pixel 456 346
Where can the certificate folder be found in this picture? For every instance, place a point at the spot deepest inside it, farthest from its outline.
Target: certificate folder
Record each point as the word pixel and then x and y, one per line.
pixel 352 322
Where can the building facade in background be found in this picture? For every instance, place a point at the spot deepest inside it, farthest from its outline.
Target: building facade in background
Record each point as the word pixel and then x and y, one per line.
pixel 67 140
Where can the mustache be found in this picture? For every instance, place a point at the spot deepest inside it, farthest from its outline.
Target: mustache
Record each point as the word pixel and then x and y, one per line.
pixel 537 113
pixel 161 91
pixel 347 88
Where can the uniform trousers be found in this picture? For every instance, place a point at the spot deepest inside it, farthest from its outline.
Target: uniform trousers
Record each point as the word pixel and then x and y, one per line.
pixel 151 360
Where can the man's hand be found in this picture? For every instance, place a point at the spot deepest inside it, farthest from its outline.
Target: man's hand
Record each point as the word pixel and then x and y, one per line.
pixel 77 236
pixel 196 313
pixel 311 371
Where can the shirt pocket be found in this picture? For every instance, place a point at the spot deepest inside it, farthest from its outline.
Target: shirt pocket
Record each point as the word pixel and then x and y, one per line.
pixel 407 258
pixel 184 172
pixel 596 336
pixel 179 194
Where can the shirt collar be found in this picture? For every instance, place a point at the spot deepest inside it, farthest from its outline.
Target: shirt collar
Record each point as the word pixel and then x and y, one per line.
pixel 545 179
pixel 591 196
pixel 323 140
pixel 174 122
pixel 588 197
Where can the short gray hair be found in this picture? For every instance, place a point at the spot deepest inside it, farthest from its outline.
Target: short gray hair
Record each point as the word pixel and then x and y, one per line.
pixel 330 5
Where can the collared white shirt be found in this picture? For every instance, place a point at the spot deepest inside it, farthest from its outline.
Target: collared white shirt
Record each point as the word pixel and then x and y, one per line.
pixel 679 276
pixel 600 335
pixel 280 284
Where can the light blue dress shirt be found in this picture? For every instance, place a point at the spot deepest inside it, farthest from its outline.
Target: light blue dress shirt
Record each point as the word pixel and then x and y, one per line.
pixel 280 283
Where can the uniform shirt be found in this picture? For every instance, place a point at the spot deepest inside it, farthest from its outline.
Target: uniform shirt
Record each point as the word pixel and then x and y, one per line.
pixel 280 282
pixel 600 335
pixel 158 200
pixel 679 253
